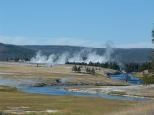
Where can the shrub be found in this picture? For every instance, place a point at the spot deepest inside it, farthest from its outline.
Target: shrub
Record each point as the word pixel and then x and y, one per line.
pixel 148 79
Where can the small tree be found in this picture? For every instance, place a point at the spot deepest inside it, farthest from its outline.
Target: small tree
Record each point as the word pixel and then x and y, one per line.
pixel 93 71
pixel 87 70
pixel 148 79
pixel 79 69
pixel 74 68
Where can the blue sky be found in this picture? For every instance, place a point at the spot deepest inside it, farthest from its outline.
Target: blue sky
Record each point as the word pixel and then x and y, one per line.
pixel 127 23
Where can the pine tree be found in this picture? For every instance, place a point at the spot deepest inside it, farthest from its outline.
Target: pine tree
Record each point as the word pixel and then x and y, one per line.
pixel 93 71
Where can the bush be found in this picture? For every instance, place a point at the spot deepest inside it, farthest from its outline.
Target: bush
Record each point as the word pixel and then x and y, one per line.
pixel 148 79
pixel 76 68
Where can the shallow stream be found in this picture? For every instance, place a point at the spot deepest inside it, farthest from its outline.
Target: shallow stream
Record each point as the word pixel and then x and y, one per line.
pixel 24 85
pixel 126 77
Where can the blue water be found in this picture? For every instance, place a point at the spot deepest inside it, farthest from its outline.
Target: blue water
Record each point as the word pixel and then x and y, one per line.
pixel 123 76
pixel 59 90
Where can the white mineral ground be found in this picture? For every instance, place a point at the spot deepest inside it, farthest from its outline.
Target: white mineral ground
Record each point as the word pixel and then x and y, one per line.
pixel 134 90
pixel 24 110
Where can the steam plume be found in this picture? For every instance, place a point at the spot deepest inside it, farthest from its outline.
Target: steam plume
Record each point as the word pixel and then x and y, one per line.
pixel 86 55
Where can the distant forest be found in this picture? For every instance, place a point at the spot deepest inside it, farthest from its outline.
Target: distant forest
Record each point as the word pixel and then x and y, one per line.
pixel 131 67
pixel 13 52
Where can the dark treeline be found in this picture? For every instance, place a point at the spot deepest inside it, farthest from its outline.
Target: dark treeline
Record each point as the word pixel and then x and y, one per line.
pixel 132 67
pixel 18 58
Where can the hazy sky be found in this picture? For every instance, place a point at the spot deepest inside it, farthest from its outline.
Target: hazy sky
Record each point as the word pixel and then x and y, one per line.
pixel 127 23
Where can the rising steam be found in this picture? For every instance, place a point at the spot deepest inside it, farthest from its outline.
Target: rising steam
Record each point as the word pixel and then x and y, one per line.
pixel 86 55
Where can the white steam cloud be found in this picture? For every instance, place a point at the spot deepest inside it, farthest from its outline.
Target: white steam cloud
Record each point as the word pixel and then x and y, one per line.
pixel 85 55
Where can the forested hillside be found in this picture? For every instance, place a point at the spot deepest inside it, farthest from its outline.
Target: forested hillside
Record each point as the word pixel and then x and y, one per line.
pixel 9 52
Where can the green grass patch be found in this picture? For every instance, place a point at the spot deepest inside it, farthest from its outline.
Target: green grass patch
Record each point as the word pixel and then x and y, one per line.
pixel 7 89
pixel 139 75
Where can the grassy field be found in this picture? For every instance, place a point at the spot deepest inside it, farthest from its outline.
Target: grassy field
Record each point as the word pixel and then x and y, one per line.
pixel 20 70
pixel 146 108
pixel 12 99
pixel 65 105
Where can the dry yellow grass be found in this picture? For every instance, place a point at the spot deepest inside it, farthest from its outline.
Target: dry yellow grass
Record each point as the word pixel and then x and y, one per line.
pixel 58 71
pixel 146 108
pixel 66 105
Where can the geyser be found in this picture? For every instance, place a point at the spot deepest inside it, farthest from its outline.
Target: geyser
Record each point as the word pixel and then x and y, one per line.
pixel 86 55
